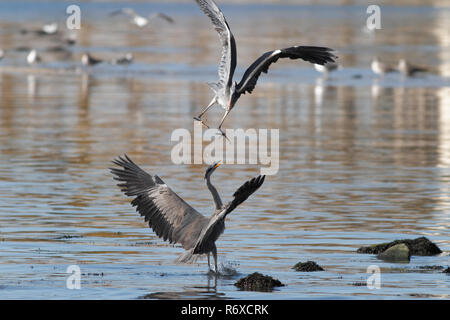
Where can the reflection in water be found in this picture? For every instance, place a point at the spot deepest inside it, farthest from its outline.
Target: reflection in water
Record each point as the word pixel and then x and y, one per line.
pixel 362 160
pixel 31 80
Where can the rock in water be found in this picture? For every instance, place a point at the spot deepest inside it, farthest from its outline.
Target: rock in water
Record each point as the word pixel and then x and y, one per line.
pixel 398 253
pixel 258 282
pixel 308 266
pixel 417 247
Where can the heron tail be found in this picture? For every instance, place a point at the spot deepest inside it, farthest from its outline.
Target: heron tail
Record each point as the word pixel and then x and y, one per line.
pixel 187 257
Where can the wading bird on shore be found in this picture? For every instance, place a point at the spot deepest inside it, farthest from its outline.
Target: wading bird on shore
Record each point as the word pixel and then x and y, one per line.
pixel 126 59
pixel 326 68
pixel 171 217
pixel 227 92
pixel 409 70
pixel 88 60
pixel 139 20
pixel 380 68
pixel 45 30
pixel 33 57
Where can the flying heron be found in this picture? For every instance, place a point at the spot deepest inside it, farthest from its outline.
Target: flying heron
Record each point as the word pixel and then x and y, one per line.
pixel 171 217
pixel 228 92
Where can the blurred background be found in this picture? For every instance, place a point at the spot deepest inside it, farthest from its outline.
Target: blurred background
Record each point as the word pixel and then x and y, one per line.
pixel 364 157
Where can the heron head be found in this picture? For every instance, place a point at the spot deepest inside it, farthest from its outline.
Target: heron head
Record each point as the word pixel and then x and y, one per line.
pixel 211 169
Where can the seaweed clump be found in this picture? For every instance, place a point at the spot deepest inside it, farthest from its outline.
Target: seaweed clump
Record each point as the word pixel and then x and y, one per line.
pixel 258 282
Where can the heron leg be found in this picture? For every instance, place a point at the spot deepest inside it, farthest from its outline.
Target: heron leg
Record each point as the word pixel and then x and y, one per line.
pixel 199 117
pixel 214 252
pixel 221 122
pixel 209 265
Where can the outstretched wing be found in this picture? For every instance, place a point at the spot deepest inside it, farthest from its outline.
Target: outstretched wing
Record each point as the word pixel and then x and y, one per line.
pixel 162 16
pixel 245 191
pixel 228 60
pixel 128 11
pixel 214 229
pixel 167 214
pixel 317 55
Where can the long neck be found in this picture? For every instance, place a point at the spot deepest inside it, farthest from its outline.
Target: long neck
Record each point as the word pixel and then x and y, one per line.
pixel 215 194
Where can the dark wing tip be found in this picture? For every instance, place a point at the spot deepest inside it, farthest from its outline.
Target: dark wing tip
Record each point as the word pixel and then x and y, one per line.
pixel 245 191
pixel 123 161
pixel 259 180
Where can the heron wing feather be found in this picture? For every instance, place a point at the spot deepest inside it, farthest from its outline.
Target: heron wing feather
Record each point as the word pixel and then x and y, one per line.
pixel 166 213
pixel 213 230
pixel 227 63
pixel 316 55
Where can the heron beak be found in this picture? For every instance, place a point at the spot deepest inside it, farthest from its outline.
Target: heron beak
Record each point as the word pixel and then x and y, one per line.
pixel 217 165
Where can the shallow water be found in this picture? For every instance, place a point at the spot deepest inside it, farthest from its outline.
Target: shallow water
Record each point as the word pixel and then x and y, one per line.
pixel 363 159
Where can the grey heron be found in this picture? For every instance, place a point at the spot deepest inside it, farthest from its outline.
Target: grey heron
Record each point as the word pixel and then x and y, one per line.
pixel 408 69
pixel 139 20
pixel 171 217
pixel 380 68
pixel 227 92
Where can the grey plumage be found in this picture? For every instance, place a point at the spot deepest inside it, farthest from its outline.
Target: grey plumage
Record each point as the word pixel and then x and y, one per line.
pixel 170 216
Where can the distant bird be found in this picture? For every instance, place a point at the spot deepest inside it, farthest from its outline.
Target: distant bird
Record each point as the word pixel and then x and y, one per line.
pixel 408 69
pixel 127 59
pixel 327 67
pixel 380 68
pixel 141 21
pixel 70 40
pixel 33 57
pixel 171 217
pixel 50 28
pixel 57 49
pixel 22 49
pixel 88 60
pixel 47 29
pixel 227 92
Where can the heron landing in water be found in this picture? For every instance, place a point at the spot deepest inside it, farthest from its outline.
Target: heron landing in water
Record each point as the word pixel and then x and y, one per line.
pixel 171 217
pixel 228 92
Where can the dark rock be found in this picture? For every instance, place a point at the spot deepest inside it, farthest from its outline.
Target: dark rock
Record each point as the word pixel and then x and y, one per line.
pixel 258 282
pixel 359 284
pixel 417 247
pixel 430 267
pixel 397 253
pixel 308 266
pixel 446 270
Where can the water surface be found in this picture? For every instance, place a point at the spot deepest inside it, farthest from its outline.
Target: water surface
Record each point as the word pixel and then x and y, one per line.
pixel 363 159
